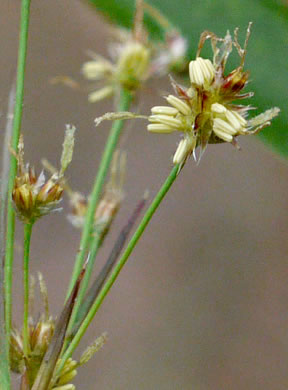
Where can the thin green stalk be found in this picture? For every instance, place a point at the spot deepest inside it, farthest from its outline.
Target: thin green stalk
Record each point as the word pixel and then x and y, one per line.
pixel 4 355
pixel 22 51
pixel 26 256
pixel 95 245
pixel 111 144
pixel 110 281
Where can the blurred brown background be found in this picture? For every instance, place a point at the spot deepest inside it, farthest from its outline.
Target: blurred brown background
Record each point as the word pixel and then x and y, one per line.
pixel 203 302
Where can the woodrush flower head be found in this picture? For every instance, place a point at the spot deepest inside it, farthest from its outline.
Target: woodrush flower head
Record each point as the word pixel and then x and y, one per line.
pixel 129 71
pixel 109 203
pixel 206 111
pixel 129 68
pixel 33 196
pixel 134 57
pixel 40 336
pixel 69 371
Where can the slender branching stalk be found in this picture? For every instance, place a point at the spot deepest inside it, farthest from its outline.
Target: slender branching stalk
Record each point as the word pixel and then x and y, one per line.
pixel 114 274
pixel 26 256
pixel 124 103
pixel 22 51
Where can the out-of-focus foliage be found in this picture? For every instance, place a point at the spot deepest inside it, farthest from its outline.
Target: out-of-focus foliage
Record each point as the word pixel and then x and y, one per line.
pixel 267 57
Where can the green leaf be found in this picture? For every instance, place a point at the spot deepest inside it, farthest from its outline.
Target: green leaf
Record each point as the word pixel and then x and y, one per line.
pixel 267 48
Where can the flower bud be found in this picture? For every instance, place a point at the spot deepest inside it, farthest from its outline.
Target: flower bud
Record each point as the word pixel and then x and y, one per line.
pixel 164 110
pixel 97 70
pixel 201 72
pixel 40 336
pixel 185 148
pixel 160 128
pixel 100 94
pixel 174 123
pixel 179 104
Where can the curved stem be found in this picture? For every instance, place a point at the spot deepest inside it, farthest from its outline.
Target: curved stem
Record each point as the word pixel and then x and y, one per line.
pixel 26 256
pixel 22 51
pixel 111 144
pixel 131 245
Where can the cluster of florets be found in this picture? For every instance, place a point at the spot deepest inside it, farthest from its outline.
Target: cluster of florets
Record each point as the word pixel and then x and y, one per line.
pixel 206 111
pixel 32 195
pixel 109 203
pixel 134 62
pixel 39 337
pixel 130 69
pixel 134 58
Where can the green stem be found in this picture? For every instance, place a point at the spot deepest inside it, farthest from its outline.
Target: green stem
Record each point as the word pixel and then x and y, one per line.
pixel 111 144
pixel 4 355
pixel 22 51
pixel 95 245
pixel 26 256
pixel 110 281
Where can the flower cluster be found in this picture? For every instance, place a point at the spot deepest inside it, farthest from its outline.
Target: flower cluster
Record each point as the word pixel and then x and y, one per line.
pixel 206 111
pixel 40 336
pixel 109 203
pixel 33 196
pixel 129 70
pixel 134 57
